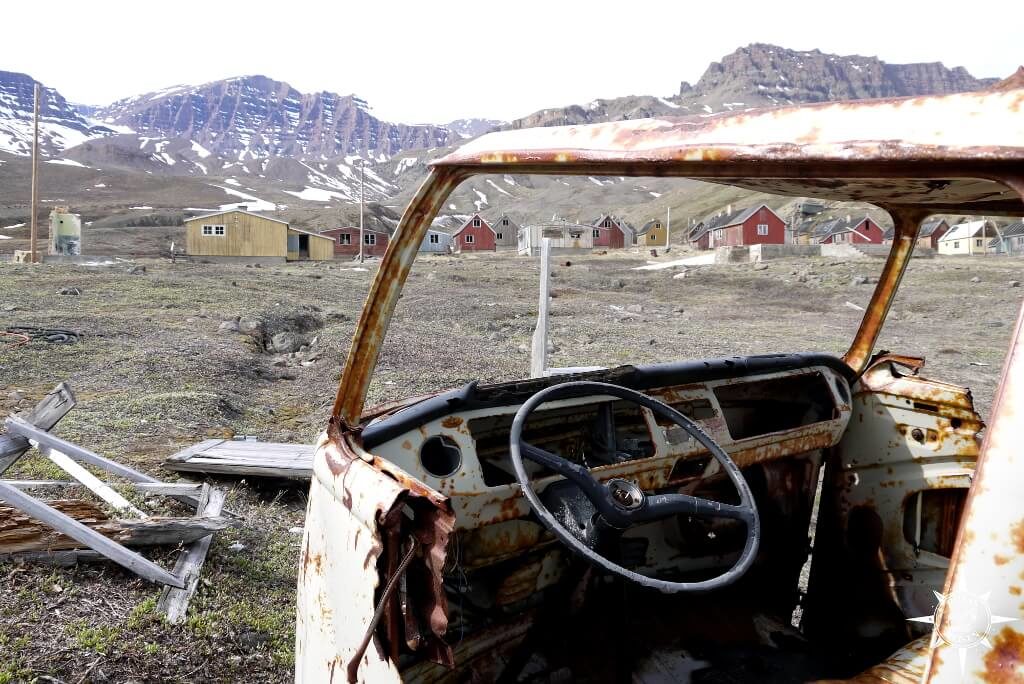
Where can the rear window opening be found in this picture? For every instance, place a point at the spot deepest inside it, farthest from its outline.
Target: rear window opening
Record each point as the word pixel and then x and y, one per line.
pixel 759 408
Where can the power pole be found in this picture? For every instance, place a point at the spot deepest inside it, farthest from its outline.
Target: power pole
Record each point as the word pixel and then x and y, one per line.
pixel 362 165
pixel 33 229
pixel 668 227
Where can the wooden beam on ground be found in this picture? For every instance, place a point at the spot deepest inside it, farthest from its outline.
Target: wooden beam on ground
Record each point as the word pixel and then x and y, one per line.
pixel 143 567
pixel 159 488
pixel 246 458
pixel 44 416
pixel 20 427
pixel 174 602
pixel 93 483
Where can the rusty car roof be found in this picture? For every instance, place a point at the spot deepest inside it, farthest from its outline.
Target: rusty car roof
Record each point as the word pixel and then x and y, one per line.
pixel 950 149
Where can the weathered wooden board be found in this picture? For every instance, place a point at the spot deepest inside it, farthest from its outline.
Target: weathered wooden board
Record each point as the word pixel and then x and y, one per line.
pixel 20 532
pixel 174 602
pixel 260 459
pixel 45 415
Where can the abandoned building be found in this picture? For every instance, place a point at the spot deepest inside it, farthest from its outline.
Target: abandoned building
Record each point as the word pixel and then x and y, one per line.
pixel 566 238
pixel 65 233
pixel 506 232
pixel 346 241
pixel 969 238
pixel 756 225
pixel 1011 241
pixel 612 233
pixel 653 234
pixel 475 235
pixel 931 232
pixel 239 235
pixel 437 242
pixel 849 229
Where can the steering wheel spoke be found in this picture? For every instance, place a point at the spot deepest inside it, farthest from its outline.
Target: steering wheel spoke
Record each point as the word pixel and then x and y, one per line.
pixel 619 503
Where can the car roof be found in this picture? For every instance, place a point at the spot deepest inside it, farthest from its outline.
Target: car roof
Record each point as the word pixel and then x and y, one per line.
pixel 948 150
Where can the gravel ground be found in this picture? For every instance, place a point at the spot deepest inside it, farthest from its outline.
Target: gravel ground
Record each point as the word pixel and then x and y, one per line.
pixel 154 373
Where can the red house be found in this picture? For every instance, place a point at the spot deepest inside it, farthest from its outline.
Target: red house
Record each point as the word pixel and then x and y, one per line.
pixel 610 232
pixel 475 235
pixel 346 241
pixel 757 225
pixel 850 230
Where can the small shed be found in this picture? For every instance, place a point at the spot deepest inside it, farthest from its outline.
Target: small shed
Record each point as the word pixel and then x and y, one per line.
pixel 566 238
pixel 972 237
pixel 65 233
pixel 437 242
pixel 346 240
pixel 475 235
pixel 611 233
pixel 506 232
pixel 653 234
pixel 239 235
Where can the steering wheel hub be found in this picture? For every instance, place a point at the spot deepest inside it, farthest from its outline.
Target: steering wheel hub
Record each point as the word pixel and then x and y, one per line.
pixel 625 494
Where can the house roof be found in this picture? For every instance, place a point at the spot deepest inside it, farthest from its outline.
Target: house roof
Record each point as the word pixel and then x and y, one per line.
pixel 234 211
pixel 625 227
pixel 650 225
pixel 724 220
pixel 966 230
pixel 930 226
pixel 831 150
pixel 1012 230
pixel 470 220
pixel 365 228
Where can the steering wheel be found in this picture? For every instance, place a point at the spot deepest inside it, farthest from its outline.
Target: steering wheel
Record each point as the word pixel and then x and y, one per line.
pixel 621 504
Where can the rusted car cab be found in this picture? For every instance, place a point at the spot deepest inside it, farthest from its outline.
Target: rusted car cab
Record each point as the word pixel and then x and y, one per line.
pixel 610 525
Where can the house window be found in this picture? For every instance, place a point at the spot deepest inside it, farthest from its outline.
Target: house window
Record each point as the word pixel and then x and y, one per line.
pixel 345 239
pixel 369 239
pixel 718 235
pixel 213 230
pixel 762 228
pixel 977 243
pixel 504 222
pixel 469 239
pixel 956 245
pixel 476 223
pixel 607 223
pixel 435 239
pixel 499 236
pixel 597 233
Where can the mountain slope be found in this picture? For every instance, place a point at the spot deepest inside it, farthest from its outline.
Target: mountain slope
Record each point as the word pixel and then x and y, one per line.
pixel 253 117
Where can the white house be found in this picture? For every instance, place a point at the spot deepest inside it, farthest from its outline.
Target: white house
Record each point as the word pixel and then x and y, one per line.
pixel 968 238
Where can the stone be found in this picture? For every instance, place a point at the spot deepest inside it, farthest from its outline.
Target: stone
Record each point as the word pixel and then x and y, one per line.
pixel 70 291
pixel 295 530
pixel 286 342
pixel 228 326
pixel 859 280
pixel 250 326
pixel 975 279
pixel 679 309
pixel 1014 283
pixel 802 278
pixel 137 270
pixel 237 546
pixel 16 395
pixel 760 267
pixel 618 283
pixel 635 308
pixel 680 275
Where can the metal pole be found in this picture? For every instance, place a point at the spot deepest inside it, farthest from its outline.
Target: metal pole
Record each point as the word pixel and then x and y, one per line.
pixel 362 165
pixel 33 229
pixel 668 228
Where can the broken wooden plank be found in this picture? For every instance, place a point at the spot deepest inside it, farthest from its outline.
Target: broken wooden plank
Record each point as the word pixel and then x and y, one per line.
pixel 20 427
pixel 45 415
pixel 261 459
pixel 93 483
pixel 143 567
pixel 159 488
pixel 21 532
pixel 174 602
pixel 63 559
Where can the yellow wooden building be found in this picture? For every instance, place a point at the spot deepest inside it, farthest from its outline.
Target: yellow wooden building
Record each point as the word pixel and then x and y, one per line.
pixel 244 236
pixel 653 234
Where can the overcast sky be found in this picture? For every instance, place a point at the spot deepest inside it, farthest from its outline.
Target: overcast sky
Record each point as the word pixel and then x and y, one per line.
pixel 435 61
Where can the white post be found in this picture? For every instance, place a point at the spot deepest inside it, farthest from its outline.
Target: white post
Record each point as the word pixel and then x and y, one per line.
pixel 539 353
pixel 362 165
pixel 668 228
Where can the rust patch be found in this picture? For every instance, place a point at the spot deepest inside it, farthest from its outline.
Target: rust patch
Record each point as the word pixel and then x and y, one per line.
pixel 1017 536
pixel 452 422
pixel 407 445
pixel 1004 660
pixel 1014 591
pixel 1001 560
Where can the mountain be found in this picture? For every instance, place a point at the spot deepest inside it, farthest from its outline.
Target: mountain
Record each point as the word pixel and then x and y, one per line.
pixel 471 128
pixel 761 75
pixel 254 117
pixel 60 125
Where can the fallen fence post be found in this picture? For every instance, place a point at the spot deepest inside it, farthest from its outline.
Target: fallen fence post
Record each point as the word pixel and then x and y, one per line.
pixel 44 416
pixel 70 527
pixel 174 601
pixel 90 481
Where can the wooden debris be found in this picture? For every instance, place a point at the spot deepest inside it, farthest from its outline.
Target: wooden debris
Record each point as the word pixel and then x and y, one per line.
pixel 44 416
pixel 87 479
pixel 230 457
pixel 21 532
pixel 160 488
pixel 174 602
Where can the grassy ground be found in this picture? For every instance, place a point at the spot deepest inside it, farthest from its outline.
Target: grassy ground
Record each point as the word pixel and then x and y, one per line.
pixel 153 373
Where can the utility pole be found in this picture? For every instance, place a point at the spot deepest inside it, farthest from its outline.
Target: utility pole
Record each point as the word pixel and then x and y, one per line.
pixel 362 165
pixel 33 229
pixel 668 227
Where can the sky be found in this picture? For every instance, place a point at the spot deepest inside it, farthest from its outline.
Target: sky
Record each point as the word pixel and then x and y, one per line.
pixel 420 62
